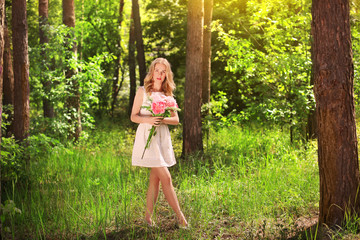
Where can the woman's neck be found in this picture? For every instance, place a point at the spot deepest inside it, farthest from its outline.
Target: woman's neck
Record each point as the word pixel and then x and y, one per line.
pixel 157 88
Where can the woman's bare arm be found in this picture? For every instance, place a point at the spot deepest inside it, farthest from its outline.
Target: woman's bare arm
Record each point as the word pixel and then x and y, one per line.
pixel 135 112
pixel 173 120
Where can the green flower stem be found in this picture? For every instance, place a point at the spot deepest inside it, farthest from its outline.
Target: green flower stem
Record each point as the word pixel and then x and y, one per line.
pixel 152 131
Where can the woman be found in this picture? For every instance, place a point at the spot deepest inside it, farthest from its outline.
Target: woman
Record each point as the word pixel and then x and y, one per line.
pixel 160 155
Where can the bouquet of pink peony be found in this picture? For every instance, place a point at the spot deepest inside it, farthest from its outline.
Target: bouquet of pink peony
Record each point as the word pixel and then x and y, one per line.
pixel 161 106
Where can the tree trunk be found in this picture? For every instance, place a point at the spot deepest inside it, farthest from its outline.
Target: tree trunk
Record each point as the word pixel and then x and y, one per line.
pixel 139 41
pixel 206 67
pixel 8 73
pixel 132 64
pixel 73 100
pixel 116 85
pixel 68 13
pixel 337 141
pixel 43 22
pixel 8 80
pixel 81 42
pixel 192 135
pixel 2 32
pixel 21 70
pixel 311 125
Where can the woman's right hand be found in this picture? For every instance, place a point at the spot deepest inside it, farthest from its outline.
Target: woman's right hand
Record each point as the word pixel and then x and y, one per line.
pixel 155 121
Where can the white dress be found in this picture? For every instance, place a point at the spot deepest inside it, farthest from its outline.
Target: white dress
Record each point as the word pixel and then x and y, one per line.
pixel 160 152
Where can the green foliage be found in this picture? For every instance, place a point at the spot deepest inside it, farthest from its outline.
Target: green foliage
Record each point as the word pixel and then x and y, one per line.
pixel 273 62
pixel 12 164
pixel 215 116
pixel 7 113
pixel 165 31
pixel 89 75
pixel 13 154
pixel 99 31
pixel 90 78
pixel 251 182
pixel 8 214
pixel 261 53
pixel 101 48
pixel 39 146
pixel 248 177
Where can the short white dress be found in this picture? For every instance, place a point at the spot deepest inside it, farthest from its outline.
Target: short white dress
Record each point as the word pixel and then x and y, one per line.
pixel 160 152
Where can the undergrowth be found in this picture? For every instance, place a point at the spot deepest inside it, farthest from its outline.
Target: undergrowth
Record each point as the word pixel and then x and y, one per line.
pixel 249 183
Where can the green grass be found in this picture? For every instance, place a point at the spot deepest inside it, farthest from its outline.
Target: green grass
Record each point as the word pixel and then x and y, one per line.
pixel 250 183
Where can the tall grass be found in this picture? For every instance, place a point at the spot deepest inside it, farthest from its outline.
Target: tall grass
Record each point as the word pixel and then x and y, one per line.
pixel 249 183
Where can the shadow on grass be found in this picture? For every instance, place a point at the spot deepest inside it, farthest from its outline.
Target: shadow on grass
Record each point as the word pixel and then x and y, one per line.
pixel 313 232
pixel 310 232
pixel 140 230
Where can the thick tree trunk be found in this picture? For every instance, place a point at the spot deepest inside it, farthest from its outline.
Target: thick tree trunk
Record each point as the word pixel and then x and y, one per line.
pixel 73 100
pixel 206 67
pixel 192 135
pixel 8 79
pixel 132 65
pixel 139 41
pixel 2 32
pixel 337 141
pixel 116 86
pixel 43 22
pixel 68 13
pixel 21 70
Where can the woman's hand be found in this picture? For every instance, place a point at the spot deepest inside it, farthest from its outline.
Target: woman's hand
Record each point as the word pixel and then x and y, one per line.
pixel 155 121
pixel 172 120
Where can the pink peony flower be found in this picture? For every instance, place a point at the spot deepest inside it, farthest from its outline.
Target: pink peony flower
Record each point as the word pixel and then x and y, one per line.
pixel 157 98
pixel 158 107
pixel 170 102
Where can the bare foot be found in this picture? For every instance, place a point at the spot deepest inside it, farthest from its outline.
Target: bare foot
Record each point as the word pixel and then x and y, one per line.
pixel 150 222
pixel 182 221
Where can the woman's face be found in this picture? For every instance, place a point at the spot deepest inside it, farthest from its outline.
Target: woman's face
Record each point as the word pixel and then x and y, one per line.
pixel 159 73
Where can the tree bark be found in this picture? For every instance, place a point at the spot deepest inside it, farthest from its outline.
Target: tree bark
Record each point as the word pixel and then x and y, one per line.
pixel 73 100
pixel 192 135
pixel 334 94
pixel 2 32
pixel 68 13
pixel 132 64
pixel 139 41
pixel 43 22
pixel 21 70
pixel 8 80
pixel 81 42
pixel 8 73
pixel 206 67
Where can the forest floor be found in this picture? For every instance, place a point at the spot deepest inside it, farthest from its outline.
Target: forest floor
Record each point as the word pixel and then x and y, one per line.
pixel 250 183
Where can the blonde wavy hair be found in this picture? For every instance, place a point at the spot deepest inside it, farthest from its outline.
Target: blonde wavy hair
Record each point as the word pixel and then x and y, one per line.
pixel 168 84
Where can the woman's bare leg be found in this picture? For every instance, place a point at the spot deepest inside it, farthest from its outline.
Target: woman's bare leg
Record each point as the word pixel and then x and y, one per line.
pixel 163 174
pixel 152 195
